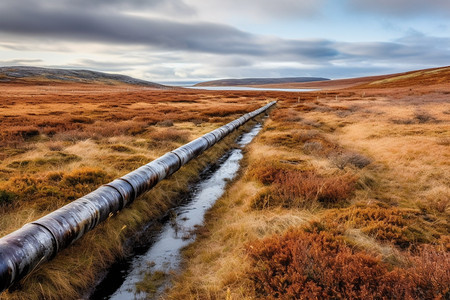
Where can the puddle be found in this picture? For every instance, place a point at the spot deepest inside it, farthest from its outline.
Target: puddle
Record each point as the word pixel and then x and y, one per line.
pixel 162 256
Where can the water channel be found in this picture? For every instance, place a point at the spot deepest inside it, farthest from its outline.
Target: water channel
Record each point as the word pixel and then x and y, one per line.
pixel 162 253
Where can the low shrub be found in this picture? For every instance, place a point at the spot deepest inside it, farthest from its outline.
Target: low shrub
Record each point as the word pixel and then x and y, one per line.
pixel 424 117
pixel 121 148
pixel 170 134
pixel 379 221
pixel 306 135
pixel 55 145
pixel 289 187
pixel 223 111
pixel 129 163
pixel 6 198
pixel 165 123
pixel 49 160
pixel 312 147
pixel 263 199
pixel 341 160
pixel 27 131
pixel 266 171
pixel 296 188
pixel 17 134
pixel 420 117
pixel 85 175
pixel 82 120
pixel 319 265
pixel 286 115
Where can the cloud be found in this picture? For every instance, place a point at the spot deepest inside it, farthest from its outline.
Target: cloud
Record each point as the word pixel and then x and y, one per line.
pixel 178 7
pixel 259 10
pixel 104 35
pixel 16 62
pixel 415 48
pixel 156 33
pixel 402 7
pixel 123 29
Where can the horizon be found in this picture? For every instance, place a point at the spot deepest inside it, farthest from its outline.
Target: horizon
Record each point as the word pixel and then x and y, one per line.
pixel 187 40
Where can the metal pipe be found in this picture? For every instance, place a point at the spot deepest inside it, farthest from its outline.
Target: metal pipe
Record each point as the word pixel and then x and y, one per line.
pixel 24 249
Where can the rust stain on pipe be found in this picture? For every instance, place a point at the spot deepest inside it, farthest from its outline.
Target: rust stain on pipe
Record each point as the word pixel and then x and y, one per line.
pixel 24 249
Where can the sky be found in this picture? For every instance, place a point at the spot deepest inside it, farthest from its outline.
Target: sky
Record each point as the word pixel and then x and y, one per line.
pixel 196 40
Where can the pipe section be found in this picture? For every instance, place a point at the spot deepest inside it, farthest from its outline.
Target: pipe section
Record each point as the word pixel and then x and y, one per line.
pixel 24 249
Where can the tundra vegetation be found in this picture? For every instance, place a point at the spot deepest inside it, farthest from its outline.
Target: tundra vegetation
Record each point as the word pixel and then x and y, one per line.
pixel 337 199
pixel 345 193
pixel 61 141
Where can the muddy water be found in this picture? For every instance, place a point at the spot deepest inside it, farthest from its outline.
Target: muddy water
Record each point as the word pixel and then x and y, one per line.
pixel 162 255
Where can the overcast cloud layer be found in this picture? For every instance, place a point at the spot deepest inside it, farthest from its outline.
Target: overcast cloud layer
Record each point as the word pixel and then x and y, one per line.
pixel 192 39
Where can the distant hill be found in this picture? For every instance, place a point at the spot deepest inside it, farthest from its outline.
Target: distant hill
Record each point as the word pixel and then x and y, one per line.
pixel 426 77
pixel 259 81
pixel 44 76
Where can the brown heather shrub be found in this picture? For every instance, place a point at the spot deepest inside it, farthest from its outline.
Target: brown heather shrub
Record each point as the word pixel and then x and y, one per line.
pixel 17 134
pixel 307 135
pixel 55 188
pixel 6 198
pixel 293 188
pixel 26 131
pixel 121 148
pixel 312 147
pixel 318 265
pixel 101 129
pixel 129 163
pixel 135 130
pixel 308 141
pixel 380 221
pixel 51 159
pixel 170 134
pixel 420 117
pixel 85 175
pixel 312 123
pixel 165 123
pixel 285 115
pixel 303 108
pixel 264 199
pixel 223 110
pixel 83 120
pixel 341 160
pixel 294 139
pixel 266 171
pixel 424 117
pixel 444 141
pixel 429 272
pixel 71 136
pixel 55 145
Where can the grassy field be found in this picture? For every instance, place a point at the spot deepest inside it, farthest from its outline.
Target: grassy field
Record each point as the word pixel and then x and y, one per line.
pixel 60 141
pixel 344 194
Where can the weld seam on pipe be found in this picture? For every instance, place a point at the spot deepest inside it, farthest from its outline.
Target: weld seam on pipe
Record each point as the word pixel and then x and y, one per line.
pixel 122 198
pixel 24 249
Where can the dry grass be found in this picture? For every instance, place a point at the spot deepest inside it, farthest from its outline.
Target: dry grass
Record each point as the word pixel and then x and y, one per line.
pixel 383 218
pixel 375 190
pixel 79 138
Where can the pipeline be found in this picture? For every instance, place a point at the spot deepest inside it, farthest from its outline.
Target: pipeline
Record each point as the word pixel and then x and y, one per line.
pixel 24 249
